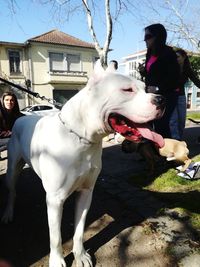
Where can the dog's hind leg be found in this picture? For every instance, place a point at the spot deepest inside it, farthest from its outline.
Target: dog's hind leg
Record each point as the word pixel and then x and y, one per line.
pixel 82 258
pixel 15 166
pixel 54 210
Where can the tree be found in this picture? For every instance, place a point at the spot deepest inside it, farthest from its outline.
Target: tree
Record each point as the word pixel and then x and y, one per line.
pixel 174 14
pixel 195 64
pixel 101 51
pixel 180 18
pixel 90 9
pixel 105 10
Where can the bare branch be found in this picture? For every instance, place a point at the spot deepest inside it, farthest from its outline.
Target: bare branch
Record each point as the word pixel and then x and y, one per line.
pixel 178 16
pixel 90 25
pixel 109 29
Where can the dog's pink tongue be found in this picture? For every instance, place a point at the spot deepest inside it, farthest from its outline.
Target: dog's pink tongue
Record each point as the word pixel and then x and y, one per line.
pixel 155 137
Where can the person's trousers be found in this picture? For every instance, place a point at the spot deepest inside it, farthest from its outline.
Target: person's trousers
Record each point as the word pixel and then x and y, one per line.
pixel 168 125
pixel 178 117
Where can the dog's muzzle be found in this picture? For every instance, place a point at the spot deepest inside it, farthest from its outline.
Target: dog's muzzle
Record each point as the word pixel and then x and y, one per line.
pixel 158 101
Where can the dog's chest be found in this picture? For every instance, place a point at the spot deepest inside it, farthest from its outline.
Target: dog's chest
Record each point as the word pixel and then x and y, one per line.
pixel 87 161
pixel 83 165
pixel 85 170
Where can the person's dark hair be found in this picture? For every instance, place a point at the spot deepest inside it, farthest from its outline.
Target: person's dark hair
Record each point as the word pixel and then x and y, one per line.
pixel 115 63
pixel 159 32
pixel 15 112
pixel 8 118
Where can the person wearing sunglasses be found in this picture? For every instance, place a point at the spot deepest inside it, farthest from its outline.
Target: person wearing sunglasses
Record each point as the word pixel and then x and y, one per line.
pixel 161 75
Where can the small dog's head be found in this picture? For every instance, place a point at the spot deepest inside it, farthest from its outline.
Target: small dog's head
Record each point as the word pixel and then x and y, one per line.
pixel 177 151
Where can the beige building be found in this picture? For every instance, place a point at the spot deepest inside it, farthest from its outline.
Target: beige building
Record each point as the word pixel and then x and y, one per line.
pixel 54 64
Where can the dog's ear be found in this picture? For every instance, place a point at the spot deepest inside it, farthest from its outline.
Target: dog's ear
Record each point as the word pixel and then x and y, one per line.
pixel 98 74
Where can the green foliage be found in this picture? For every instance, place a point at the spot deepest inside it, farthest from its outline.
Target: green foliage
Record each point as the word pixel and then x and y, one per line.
pixel 195 64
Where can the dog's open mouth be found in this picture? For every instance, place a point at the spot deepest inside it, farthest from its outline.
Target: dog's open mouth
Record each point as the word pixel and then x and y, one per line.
pixel 133 131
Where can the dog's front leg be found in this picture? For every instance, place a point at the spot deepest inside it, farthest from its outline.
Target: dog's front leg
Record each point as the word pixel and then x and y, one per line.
pixel 54 211
pixel 82 258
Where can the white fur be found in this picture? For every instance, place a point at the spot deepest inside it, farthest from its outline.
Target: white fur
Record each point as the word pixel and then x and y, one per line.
pixel 65 150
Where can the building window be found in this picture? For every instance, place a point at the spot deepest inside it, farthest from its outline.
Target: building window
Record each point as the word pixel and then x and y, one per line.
pixel 64 62
pixel 14 62
pixel 57 62
pixel 73 62
pixel 198 94
pixel 62 96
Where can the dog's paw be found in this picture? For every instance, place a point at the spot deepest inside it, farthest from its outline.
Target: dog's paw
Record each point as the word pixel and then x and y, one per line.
pixel 83 260
pixel 56 261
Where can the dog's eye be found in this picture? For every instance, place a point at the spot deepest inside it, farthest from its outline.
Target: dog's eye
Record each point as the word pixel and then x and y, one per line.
pixel 128 90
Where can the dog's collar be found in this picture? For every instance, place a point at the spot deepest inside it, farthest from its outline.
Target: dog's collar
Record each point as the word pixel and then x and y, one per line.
pixel 82 139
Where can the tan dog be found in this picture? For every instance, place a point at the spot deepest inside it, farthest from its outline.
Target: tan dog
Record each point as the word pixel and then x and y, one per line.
pixel 177 151
pixel 173 150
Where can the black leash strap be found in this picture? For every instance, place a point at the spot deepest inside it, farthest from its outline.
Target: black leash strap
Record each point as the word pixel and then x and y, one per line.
pixel 53 102
pixel 19 87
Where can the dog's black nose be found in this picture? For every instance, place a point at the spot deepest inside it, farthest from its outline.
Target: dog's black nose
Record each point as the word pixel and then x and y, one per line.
pixel 158 100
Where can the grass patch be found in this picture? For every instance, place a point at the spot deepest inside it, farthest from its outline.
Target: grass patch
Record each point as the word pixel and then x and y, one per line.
pixel 178 193
pixel 171 182
pixel 193 115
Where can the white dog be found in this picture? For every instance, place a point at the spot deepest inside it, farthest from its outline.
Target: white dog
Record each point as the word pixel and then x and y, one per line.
pixel 65 150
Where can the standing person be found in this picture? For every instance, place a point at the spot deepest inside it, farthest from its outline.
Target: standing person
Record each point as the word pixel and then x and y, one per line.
pixel 115 64
pixel 9 112
pixel 186 73
pixel 161 74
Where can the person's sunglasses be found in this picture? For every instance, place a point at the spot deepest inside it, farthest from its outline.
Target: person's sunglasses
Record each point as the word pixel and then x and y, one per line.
pixel 147 37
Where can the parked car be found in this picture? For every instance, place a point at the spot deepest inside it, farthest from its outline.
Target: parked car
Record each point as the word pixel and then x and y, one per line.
pixel 40 110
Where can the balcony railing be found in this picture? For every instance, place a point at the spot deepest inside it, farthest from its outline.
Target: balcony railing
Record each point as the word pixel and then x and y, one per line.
pixel 68 76
pixel 68 73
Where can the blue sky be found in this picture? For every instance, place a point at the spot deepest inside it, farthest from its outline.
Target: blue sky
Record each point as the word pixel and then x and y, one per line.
pixel 31 19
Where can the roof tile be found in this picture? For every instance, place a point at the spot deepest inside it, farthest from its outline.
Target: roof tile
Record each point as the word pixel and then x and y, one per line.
pixel 58 37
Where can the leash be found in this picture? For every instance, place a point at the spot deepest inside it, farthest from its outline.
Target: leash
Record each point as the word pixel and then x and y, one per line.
pixel 194 121
pixel 28 91
pixel 81 138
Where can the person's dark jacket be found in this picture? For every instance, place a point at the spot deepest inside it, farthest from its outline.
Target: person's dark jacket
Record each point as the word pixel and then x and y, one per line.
pixel 164 73
pixel 7 121
pixel 187 73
